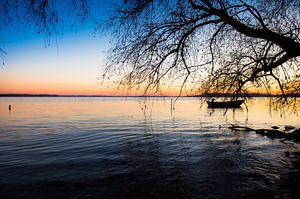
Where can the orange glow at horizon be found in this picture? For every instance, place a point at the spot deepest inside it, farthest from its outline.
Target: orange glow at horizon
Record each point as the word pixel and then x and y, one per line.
pixel 18 85
pixel 30 68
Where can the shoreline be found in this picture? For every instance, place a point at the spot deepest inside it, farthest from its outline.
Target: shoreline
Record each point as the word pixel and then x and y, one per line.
pixel 199 96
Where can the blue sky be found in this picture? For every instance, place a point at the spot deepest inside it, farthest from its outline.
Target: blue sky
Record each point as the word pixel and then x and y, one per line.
pixel 70 63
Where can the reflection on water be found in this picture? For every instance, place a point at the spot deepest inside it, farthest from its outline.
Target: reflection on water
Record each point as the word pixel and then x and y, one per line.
pixel 120 148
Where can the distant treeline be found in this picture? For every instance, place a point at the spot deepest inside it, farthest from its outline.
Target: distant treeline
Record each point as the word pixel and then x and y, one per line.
pixel 55 95
pixel 201 95
pixel 26 95
pixel 46 95
pixel 242 95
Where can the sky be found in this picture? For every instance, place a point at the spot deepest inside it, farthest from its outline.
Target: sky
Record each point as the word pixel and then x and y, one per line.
pixel 70 63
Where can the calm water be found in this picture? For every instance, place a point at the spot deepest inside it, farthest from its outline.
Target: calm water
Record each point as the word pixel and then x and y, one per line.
pixel 125 148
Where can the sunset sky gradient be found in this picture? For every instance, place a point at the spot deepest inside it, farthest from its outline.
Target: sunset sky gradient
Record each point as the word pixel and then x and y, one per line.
pixel 72 63
pixel 69 63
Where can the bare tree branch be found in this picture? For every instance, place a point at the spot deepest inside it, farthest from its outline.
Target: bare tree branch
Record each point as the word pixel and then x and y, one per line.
pixel 223 46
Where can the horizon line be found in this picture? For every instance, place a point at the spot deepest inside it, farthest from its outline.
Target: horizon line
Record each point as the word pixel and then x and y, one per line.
pixel 77 95
pixel 94 95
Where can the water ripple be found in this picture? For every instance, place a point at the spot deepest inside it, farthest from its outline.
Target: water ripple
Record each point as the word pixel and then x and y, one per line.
pixel 81 152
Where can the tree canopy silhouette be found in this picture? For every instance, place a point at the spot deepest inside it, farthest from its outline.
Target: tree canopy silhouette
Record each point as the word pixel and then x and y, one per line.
pixel 221 46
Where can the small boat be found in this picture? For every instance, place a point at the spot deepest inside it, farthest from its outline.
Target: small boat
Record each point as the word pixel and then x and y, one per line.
pixel 225 104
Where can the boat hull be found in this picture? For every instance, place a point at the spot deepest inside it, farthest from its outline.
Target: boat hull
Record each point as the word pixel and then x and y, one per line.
pixel 227 104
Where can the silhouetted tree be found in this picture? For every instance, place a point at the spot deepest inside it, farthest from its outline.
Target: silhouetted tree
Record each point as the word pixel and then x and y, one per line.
pixel 218 45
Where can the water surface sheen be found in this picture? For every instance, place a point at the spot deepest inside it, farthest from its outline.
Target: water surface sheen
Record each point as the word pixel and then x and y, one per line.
pixel 124 148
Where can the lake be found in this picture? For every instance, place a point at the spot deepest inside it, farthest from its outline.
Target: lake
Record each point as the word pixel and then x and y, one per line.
pixel 118 147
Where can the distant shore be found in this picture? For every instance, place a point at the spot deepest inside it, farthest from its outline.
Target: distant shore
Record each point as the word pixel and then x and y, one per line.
pixel 79 95
pixel 47 95
pixel 56 95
